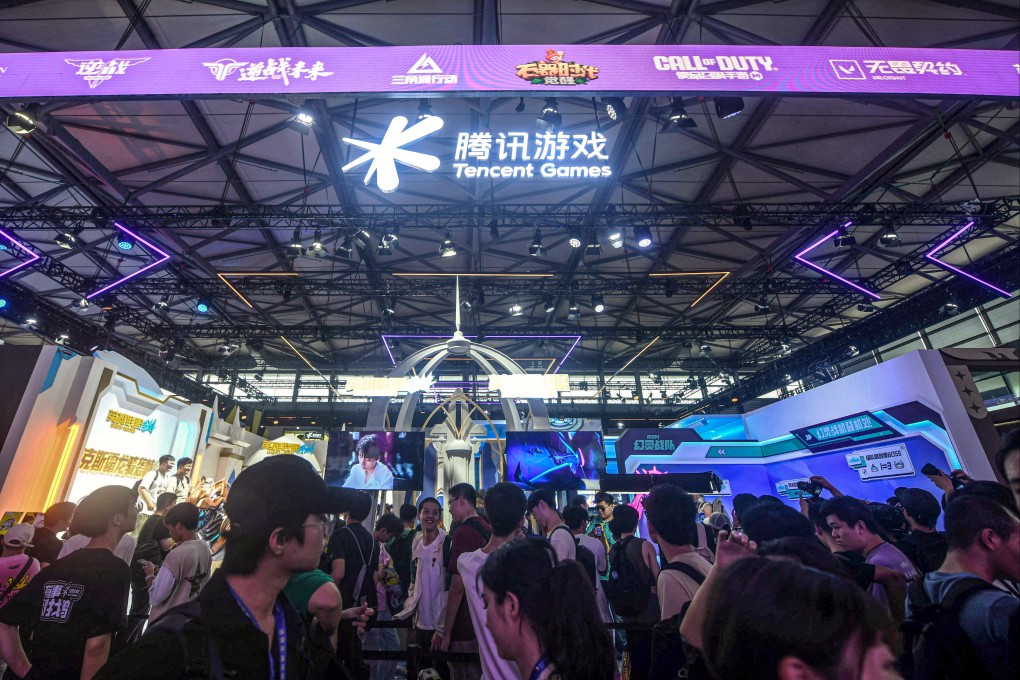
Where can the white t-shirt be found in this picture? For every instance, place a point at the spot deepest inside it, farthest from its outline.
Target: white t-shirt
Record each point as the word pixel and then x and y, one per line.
pixel 599 548
pixel 382 478
pixel 185 570
pixel 562 540
pixel 676 588
pixel 156 483
pixel 125 549
pixel 493 667
pixel 430 580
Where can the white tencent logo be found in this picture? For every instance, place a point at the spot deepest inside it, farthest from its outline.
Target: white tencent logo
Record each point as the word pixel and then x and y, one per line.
pixel 387 153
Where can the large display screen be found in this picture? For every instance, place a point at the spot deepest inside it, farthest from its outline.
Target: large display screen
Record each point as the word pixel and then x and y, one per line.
pixel 376 460
pixel 558 460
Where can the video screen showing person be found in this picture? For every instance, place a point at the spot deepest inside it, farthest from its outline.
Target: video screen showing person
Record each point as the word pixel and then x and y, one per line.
pixel 375 460
pixel 558 460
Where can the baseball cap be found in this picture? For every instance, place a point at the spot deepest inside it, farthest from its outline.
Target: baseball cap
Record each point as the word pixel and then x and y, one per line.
pixel 920 504
pixel 19 535
pixel 717 521
pixel 280 486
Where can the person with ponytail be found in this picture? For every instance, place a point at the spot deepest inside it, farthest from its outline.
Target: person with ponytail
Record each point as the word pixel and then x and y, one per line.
pixel 541 617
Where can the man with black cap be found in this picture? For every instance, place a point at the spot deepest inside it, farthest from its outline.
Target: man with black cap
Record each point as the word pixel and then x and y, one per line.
pixel 242 625
pixel 925 546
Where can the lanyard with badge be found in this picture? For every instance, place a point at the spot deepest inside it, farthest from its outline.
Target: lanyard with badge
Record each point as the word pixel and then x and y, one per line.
pixel 280 622
pixel 542 664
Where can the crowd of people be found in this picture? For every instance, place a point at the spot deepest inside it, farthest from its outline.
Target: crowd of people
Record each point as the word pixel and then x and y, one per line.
pixel 314 583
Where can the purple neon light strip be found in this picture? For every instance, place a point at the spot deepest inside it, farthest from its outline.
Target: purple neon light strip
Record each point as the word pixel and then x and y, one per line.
pixel 164 257
pixel 931 256
pixel 21 245
pixel 577 339
pixel 800 258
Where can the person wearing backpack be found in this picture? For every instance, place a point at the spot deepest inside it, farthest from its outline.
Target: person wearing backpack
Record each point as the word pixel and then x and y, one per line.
pixel 576 519
pixel 242 625
pixel 400 548
pixel 924 546
pixel 542 506
pixel 958 622
pixel 472 534
pixel 630 588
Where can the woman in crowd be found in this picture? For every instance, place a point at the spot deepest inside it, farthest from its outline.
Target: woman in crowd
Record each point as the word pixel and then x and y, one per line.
pixel 542 617
pixel 773 619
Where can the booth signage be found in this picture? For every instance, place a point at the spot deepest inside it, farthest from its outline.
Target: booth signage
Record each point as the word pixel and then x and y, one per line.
pixel 530 386
pixel 114 464
pixel 274 448
pixel 520 69
pixel 844 432
pixel 129 423
pixel 387 387
pixel 881 463
pixel 788 489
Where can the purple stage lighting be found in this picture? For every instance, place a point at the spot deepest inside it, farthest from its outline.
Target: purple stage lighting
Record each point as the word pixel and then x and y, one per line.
pixel 931 256
pixel 575 338
pixel 164 256
pixel 14 242
pixel 800 258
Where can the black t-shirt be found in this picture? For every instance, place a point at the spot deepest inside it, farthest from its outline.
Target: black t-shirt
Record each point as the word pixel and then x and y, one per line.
pixel 45 546
pixel 926 549
pixel 153 531
pixel 81 596
pixel 354 544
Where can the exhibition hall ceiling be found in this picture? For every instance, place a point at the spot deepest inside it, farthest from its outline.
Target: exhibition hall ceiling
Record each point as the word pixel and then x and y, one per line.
pixel 723 200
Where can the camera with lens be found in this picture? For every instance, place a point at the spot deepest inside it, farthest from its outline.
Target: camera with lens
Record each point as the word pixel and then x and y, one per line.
pixel 813 489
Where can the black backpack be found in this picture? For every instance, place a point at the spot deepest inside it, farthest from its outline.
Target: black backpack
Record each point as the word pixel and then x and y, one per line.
pixel 583 555
pixel 400 553
pixel 628 587
pixel 671 658
pixel 935 646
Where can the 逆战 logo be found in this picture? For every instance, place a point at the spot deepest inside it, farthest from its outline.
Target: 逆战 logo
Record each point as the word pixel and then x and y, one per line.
pixel 97 71
pixel 555 71
pixel 425 71
pixel 387 153
pixel 224 67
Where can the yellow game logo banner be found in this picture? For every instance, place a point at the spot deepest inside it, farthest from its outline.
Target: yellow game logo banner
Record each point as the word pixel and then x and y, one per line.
pixel 275 448
pixel 114 464
pixel 129 423
pixel 555 71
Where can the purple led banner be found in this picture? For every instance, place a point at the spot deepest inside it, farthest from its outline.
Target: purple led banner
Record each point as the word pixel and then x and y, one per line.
pixel 539 70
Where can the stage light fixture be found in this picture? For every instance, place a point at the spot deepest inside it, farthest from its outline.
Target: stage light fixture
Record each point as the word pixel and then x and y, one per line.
pixel 550 304
pixel 594 247
pixel 843 238
pixel 516 310
pixel 536 249
pixel 643 236
pixel 573 311
pixel 950 308
pixel 125 241
pixel 162 305
pixel 317 240
pixel 762 306
pixel 383 249
pixel 82 303
pixel 3 302
pixel 62 338
pixel 68 238
pixel 21 122
pixel 520 106
pixel 727 107
pixel 362 236
pixel 550 119
pixel 301 122
pixel 345 245
pixel 31 322
pixel 295 243
pixel 678 118
pixel 616 237
pixel 424 109
pixel 574 242
pixel 448 248
pixel 598 304
pixel 670 288
pixel 614 107
pixel 865 307
pixel 852 351
pixel 494 229
pixel 202 306
pixel 889 238
pixel 705 349
pixel 390 238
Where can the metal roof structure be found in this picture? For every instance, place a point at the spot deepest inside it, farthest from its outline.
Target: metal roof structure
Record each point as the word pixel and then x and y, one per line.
pixel 220 185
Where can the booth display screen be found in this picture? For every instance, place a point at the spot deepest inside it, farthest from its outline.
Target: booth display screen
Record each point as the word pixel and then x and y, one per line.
pixel 376 460
pixel 558 460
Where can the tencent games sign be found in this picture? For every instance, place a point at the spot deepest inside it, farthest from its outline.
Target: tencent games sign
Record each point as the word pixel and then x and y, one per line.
pixel 541 70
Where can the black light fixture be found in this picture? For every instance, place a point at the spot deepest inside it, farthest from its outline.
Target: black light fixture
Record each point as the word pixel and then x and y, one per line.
pixel 448 248
pixel 762 306
pixel 669 287
pixel 594 246
pixel 202 306
pixel 643 235
pixel 295 243
pixel 383 249
pixel 889 238
pixel 536 249
pixel 549 304
pixel 573 311
pixel 705 349
pixel 520 106
pixel 124 241
pixel 516 309
pixel 866 307
pixel 494 229
pixel 727 107
pixel 162 305
pixel 614 107
pixel 22 122
pixel 598 304
pixel 301 122
pixel 424 109
pixel 951 307
pixel 345 245
pixel 843 238
pixel 83 303
pixel 68 238
pixel 390 237
pixel 678 118
pixel 549 119
pixel 389 306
